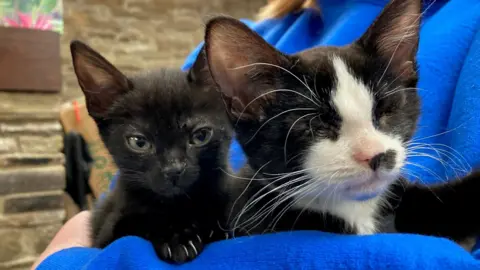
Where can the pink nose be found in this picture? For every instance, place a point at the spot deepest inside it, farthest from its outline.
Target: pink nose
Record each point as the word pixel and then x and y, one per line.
pixel 367 148
pixel 376 160
pixel 364 157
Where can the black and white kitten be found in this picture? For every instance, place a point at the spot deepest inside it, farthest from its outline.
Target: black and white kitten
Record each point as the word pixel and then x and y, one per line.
pixel 168 133
pixel 326 132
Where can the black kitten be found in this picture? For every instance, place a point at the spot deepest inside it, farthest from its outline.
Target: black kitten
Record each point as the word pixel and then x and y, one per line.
pixel 169 136
pixel 326 132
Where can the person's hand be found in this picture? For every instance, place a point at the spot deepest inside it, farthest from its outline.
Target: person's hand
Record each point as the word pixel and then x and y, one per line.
pixel 75 233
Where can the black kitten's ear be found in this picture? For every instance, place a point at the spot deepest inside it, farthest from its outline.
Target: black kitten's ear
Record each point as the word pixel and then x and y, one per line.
pixel 199 73
pixel 100 81
pixel 243 65
pixel 394 36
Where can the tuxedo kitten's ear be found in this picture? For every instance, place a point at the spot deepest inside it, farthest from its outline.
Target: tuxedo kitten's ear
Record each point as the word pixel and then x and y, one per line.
pixel 243 65
pixel 100 81
pixel 394 36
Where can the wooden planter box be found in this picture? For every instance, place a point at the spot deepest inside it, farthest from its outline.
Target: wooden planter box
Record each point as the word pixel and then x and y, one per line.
pixel 29 60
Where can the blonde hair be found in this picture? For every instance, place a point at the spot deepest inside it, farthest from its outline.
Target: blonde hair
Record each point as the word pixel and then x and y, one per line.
pixel 280 8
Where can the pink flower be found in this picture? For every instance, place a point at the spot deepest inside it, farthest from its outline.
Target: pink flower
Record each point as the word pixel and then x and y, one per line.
pixel 25 21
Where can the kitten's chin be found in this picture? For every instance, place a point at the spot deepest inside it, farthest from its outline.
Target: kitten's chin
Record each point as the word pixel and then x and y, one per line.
pixel 367 188
pixel 357 188
pixel 169 192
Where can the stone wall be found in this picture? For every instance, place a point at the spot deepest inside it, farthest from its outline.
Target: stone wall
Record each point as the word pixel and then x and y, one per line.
pixel 31 176
pixel 138 34
pixel 133 34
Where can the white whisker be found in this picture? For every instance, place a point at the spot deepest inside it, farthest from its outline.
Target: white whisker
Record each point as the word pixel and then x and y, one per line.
pixel 245 189
pixel 310 125
pixel 271 118
pixel 253 200
pixel 288 133
pixel 441 133
pixel 284 69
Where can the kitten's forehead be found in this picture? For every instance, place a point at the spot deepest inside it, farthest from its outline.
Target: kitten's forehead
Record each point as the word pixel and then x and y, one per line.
pixel 165 103
pixel 164 92
pixel 353 100
pixel 318 55
pixel 339 80
pixel 321 57
pixel 163 85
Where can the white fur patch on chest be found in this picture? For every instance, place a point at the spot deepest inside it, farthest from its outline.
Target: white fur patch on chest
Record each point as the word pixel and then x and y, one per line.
pixel 361 215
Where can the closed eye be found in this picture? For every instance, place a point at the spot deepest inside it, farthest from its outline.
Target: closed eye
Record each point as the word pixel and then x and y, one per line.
pixel 385 109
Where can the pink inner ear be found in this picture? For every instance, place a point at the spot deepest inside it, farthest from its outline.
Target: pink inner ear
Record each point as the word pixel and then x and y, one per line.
pixel 220 64
pixel 400 39
pixel 232 51
pixel 100 81
pixel 396 33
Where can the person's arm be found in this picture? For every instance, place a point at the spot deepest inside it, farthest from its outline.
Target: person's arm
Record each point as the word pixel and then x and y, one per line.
pixel 75 233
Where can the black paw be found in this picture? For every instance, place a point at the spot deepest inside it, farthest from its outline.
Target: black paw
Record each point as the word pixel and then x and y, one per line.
pixel 182 247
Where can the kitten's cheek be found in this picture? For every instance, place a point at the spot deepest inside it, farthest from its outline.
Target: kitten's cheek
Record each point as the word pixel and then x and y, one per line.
pixel 399 162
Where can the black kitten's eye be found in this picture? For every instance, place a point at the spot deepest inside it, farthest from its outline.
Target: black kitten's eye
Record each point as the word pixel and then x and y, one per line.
pixel 138 143
pixel 201 136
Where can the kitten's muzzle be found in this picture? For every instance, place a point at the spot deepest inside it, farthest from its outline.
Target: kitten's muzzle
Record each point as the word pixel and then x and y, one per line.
pixel 175 170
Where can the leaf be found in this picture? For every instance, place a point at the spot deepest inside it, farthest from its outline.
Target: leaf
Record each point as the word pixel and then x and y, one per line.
pixel 48 6
pixel 6 3
pixel 26 6
pixel 6 7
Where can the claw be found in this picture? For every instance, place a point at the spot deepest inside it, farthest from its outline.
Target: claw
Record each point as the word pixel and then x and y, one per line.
pixel 211 234
pixel 226 236
pixel 199 239
pixel 186 250
pixel 169 251
pixel 193 246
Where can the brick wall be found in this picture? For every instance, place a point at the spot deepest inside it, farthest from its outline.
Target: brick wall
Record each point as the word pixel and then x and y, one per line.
pixel 133 34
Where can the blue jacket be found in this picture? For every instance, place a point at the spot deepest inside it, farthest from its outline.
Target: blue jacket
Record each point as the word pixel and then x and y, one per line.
pixel 449 60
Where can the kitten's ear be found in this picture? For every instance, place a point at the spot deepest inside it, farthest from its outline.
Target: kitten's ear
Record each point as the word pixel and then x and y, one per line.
pixel 100 81
pixel 243 65
pixel 394 36
pixel 199 73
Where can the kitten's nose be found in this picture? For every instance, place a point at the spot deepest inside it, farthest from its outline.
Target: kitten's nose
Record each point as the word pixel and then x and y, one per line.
pixel 175 169
pixel 375 160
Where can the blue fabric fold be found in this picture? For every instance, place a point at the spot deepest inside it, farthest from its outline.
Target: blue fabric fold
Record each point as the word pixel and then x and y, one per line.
pixel 449 66
pixel 296 250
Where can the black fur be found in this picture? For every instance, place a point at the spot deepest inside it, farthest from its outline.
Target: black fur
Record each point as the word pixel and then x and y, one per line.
pixel 247 69
pixel 171 193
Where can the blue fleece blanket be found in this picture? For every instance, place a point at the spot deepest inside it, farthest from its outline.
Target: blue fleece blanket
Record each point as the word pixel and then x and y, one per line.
pixel 449 59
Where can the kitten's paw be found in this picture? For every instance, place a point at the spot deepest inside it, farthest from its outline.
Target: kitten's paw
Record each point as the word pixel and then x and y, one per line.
pixel 182 247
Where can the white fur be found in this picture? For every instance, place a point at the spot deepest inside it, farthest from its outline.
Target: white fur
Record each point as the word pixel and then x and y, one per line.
pixel 358 214
pixel 333 166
